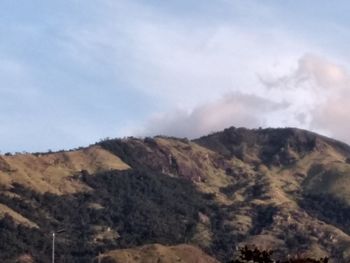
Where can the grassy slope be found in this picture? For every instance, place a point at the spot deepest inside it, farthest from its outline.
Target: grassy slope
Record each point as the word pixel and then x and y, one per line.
pixel 53 172
pixel 158 253
pixel 265 187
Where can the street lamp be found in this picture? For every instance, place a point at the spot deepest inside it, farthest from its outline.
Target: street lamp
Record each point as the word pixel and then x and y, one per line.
pixel 53 247
pixel 53 243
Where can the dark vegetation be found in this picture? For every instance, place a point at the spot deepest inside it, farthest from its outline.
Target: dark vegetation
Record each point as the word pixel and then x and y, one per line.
pixel 18 239
pixel 254 255
pixel 143 208
pixel 223 240
pixel 263 218
pixel 126 152
pixel 271 146
pixel 329 209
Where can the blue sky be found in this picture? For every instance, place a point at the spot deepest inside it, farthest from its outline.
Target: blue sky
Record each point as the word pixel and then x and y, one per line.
pixel 73 72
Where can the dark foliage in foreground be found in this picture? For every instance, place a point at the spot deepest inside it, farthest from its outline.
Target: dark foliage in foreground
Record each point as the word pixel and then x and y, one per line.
pixel 265 256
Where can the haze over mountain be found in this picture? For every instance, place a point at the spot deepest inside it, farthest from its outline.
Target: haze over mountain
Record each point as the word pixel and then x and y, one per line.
pixel 171 199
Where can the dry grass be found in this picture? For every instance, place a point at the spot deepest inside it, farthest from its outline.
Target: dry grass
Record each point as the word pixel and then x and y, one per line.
pixel 159 254
pixel 53 172
pixel 18 218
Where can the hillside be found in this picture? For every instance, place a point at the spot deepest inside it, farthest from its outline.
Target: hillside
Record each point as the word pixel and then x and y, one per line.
pixel 280 189
pixel 157 253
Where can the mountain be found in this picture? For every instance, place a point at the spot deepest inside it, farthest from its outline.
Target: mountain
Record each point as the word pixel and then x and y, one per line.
pixel 164 197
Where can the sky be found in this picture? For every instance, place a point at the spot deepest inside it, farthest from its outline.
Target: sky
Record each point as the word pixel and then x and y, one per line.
pixel 74 72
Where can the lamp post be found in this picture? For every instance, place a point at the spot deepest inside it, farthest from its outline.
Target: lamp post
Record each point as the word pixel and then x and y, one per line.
pixel 53 242
pixel 53 247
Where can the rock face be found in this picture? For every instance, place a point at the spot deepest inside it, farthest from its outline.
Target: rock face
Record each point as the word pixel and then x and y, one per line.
pixel 280 189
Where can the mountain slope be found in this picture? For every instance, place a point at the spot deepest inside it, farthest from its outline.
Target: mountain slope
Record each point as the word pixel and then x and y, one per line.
pixel 157 253
pixel 280 189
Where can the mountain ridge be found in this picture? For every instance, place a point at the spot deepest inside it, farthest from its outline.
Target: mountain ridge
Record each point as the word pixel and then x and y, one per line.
pixel 282 189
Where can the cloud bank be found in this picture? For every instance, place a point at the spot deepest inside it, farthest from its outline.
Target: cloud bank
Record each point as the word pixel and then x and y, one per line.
pixel 237 109
pixel 314 95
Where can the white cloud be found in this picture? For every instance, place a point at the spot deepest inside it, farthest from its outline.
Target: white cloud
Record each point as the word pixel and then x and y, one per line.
pixel 314 95
pixel 187 66
pixel 236 109
pixel 318 91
